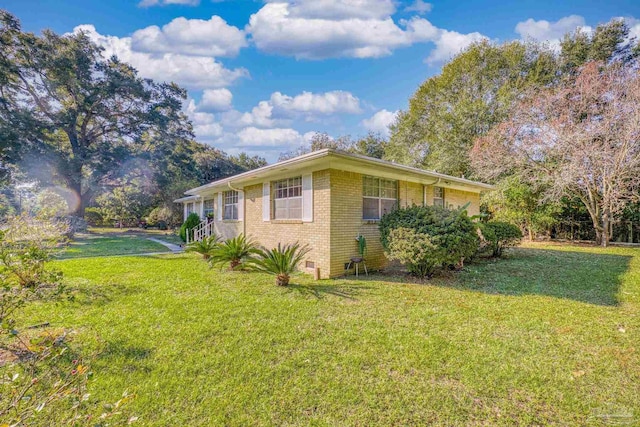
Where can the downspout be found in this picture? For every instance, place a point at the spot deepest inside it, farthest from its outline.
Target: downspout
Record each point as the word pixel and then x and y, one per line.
pixel 244 208
pixel 424 190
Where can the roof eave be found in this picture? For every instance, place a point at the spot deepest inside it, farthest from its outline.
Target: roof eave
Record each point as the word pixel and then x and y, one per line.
pixel 315 155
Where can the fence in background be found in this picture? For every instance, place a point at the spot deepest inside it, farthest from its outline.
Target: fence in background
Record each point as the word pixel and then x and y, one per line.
pixel 622 231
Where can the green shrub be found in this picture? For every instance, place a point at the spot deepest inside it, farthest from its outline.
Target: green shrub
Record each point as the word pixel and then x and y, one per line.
pixel 162 217
pixel 204 247
pixel 94 216
pixel 414 250
pixel 450 235
pixel 498 235
pixel 234 252
pixel 281 261
pixel 192 221
pixel 43 375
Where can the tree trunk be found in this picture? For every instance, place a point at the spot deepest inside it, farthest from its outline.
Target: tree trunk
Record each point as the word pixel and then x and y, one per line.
pixel 282 280
pixel 76 187
pixel 73 174
pixel 605 231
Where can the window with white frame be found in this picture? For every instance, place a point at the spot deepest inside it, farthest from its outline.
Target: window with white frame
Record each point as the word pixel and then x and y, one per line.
pixel 208 208
pixel 438 196
pixel 230 201
pixel 287 198
pixel 379 196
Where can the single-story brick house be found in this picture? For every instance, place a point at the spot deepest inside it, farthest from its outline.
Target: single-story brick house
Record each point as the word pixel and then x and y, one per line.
pixel 324 199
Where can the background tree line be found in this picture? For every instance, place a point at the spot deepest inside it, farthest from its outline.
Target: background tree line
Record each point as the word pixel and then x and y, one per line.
pixel 557 131
pixel 512 114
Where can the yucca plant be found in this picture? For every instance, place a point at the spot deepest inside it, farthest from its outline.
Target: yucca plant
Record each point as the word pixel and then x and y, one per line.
pixel 205 247
pixel 234 251
pixel 281 261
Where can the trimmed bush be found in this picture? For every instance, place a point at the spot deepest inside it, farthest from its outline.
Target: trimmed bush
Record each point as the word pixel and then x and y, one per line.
pixel 94 217
pixel 162 217
pixel 438 236
pixel 192 221
pixel 498 235
pixel 412 249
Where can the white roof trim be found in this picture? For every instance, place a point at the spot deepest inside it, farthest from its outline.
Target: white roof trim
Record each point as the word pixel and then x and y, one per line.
pixel 186 199
pixel 328 152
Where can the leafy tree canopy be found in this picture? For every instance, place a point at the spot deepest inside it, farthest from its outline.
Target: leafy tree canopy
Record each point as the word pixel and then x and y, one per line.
pixel 474 91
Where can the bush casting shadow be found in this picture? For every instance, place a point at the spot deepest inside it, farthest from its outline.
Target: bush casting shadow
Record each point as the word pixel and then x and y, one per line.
pixel 320 291
pixel 591 278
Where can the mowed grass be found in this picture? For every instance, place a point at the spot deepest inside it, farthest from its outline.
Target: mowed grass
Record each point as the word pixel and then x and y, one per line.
pixel 549 335
pixel 109 242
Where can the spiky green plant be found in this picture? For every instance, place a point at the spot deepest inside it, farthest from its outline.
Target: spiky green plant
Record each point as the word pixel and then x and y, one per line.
pixel 281 261
pixel 362 245
pixel 234 252
pixel 205 247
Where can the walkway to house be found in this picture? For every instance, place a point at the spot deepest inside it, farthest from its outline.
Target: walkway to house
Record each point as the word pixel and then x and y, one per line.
pixel 100 242
pixel 172 247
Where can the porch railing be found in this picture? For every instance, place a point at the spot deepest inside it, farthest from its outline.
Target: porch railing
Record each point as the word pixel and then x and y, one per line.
pixel 199 232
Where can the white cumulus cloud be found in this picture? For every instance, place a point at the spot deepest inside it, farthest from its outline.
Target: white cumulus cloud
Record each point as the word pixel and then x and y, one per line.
pixel 326 103
pixel 550 31
pixel 216 100
pixel 280 138
pixel 193 72
pixel 341 9
pixel 419 6
pixel 450 43
pixel 338 32
pixel 380 122
pixel 275 30
pixel 213 37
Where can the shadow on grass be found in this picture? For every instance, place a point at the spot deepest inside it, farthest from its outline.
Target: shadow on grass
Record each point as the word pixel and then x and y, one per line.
pixel 320 291
pixel 134 356
pixel 589 277
pixel 100 295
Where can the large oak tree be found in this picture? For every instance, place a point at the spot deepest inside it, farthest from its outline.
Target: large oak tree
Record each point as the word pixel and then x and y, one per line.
pixel 74 117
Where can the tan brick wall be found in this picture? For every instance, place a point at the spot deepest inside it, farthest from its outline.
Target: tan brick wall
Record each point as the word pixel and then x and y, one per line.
pixel 455 199
pixel 337 220
pixel 314 234
pixel 410 193
pixel 347 222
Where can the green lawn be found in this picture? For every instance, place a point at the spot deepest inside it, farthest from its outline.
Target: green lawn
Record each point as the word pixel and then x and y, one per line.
pixel 113 241
pixel 550 335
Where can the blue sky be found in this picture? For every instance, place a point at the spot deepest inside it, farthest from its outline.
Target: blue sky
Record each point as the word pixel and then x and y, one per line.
pixel 263 76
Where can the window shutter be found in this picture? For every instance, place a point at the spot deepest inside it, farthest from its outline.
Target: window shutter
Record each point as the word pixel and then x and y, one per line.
pixel 240 205
pixel 266 201
pixel 307 198
pixel 220 207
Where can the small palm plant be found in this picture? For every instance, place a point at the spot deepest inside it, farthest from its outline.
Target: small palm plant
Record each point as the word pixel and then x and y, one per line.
pixel 205 247
pixel 281 261
pixel 234 251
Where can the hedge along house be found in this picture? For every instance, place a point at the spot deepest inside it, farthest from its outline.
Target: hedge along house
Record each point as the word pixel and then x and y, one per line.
pixel 324 199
